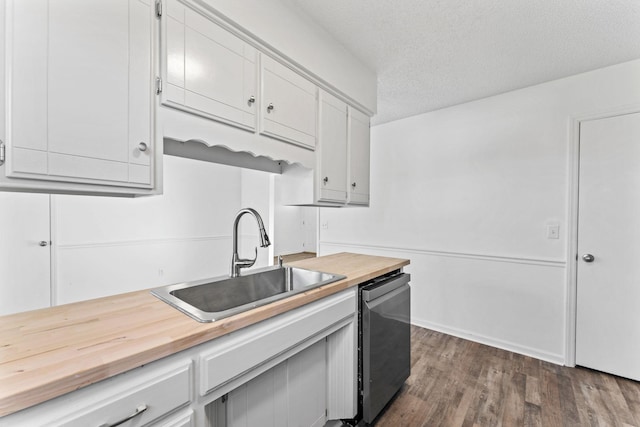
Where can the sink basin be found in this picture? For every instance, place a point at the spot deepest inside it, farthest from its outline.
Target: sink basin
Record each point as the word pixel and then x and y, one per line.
pixel 213 299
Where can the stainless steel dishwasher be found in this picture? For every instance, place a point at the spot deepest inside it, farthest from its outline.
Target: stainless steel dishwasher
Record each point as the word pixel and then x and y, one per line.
pixel 385 351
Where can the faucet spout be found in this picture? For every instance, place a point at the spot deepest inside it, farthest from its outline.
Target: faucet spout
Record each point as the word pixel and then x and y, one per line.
pixel 236 262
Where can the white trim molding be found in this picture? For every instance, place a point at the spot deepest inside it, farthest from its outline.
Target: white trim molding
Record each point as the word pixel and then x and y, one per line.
pixel 142 242
pixel 467 255
pixel 517 304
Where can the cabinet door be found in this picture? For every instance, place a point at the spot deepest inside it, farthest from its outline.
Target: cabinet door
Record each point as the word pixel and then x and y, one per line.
pixel 331 175
pixel 359 157
pixel 260 402
pixel 307 390
pixel 79 91
pixel 208 70
pixel 288 104
pixel 292 393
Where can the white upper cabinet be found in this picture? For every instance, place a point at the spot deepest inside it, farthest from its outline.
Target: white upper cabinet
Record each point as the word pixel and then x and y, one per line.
pixel 208 70
pixel 288 104
pixel 78 96
pixel 359 157
pixel 331 160
pixel 341 173
pixel 213 70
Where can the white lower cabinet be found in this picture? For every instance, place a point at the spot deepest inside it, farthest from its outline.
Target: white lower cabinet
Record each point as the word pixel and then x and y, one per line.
pixel 182 419
pixel 292 393
pixel 305 385
pixel 141 396
pixel 294 369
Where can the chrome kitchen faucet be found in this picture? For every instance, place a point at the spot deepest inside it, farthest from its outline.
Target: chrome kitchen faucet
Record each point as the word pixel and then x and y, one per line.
pixel 236 262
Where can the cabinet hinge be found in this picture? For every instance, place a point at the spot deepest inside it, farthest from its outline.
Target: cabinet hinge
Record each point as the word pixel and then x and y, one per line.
pixel 158 85
pixel 158 8
pixel 2 153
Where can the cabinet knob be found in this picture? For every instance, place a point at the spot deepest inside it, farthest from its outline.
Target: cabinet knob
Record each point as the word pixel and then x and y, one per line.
pixel 43 243
pixel 588 258
pixel 251 100
pixel 143 146
pixel 270 107
pixel 353 185
pixel 326 179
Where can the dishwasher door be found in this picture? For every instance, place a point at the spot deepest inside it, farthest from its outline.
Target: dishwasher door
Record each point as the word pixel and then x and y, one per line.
pixel 386 343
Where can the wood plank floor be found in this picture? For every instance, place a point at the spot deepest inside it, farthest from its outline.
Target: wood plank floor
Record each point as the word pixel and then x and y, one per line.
pixel 455 382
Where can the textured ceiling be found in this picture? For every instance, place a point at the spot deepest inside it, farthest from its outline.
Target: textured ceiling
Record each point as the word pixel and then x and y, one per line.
pixel 431 54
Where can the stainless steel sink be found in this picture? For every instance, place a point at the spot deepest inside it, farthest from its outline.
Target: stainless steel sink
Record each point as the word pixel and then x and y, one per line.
pixel 213 299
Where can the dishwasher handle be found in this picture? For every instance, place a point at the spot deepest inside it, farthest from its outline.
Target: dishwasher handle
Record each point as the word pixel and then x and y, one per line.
pixel 372 304
pixel 378 289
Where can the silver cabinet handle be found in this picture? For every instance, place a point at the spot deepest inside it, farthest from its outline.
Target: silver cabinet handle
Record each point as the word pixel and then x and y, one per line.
pixel 43 243
pixel 588 258
pixel 143 146
pixel 251 100
pixel 270 107
pixel 139 410
pixel 326 179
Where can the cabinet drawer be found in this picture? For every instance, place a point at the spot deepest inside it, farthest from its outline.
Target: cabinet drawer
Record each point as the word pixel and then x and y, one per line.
pixel 237 353
pixel 159 395
pixel 144 394
pixel 183 419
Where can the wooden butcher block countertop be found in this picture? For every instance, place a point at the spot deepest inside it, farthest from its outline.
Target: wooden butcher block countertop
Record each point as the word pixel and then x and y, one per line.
pixel 47 353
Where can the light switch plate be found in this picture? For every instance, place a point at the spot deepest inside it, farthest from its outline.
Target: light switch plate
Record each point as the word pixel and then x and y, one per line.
pixel 553 231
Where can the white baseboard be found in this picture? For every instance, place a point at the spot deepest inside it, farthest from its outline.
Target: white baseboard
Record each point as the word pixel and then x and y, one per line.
pixel 557 359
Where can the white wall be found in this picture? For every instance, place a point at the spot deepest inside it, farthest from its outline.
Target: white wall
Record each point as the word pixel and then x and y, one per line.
pixel 466 193
pixel 295 227
pixel 103 245
pixel 256 193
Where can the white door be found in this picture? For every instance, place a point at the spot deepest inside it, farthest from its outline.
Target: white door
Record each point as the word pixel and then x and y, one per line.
pixel 608 294
pixel 24 252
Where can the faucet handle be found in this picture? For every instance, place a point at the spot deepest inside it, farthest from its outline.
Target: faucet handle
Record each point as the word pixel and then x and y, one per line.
pixel 280 261
pixel 247 262
pixel 255 257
